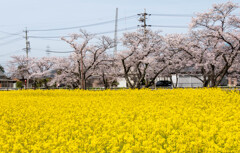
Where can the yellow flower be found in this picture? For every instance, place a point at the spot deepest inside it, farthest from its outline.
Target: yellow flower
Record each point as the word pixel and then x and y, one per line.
pixel 178 120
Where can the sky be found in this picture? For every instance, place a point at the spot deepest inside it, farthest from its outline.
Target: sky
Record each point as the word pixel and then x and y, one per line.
pixel 17 15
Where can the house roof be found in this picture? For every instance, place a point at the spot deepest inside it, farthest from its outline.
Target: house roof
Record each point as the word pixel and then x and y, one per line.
pixel 3 77
pixel 7 80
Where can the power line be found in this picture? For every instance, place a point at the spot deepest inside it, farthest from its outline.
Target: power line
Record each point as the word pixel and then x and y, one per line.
pixel 47 36
pixel 10 53
pixel 169 26
pixel 11 33
pixel 50 51
pixel 48 39
pixel 119 30
pixel 6 37
pixel 84 26
pixel 106 32
pixel 10 41
pixel 174 15
pixel 54 51
pixel 100 33
pixel 112 31
pixel 180 15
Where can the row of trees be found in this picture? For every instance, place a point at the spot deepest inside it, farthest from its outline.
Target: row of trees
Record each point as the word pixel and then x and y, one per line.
pixel 2 69
pixel 209 51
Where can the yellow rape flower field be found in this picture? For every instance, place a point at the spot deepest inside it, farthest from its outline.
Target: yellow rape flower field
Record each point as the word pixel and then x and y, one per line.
pixel 178 120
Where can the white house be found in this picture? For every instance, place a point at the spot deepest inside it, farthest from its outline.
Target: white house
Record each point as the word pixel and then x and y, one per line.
pixel 180 80
pixel 122 83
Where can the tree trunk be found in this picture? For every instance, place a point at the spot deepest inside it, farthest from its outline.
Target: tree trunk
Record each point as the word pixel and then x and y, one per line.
pixel 174 85
pixel 105 81
pixel 45 83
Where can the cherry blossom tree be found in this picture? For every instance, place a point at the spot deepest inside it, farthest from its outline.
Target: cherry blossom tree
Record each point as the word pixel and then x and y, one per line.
pixel 108 70
pixel 216 37
pixel 145 58
pixel 65 72
pixel 36 69
pixel 199 54
pixel 20 67
pixel 89 52
pixel 42 70
pixel 177 59
pixel 234 70
pixel 210 51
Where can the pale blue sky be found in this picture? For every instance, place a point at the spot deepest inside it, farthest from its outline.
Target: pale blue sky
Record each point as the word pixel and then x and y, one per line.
pixel 15 15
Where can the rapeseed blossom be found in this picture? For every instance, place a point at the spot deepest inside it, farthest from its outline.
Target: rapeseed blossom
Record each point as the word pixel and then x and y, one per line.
pixel 178 120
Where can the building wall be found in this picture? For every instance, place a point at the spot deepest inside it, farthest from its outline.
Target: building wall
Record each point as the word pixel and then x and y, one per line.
pixel 122 83
pixel 182 80
pixel 188 81
pixel 5 84
pixel 232 82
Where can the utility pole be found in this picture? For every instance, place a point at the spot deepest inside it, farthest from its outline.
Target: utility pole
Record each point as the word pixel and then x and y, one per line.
pixel 115 36
pixel 27 49
pixel 143 18
pixel 82 79
pixel 48 50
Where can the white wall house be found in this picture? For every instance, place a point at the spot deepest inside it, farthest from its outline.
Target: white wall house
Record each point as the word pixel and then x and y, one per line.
pixel 122 83
pixel 183 80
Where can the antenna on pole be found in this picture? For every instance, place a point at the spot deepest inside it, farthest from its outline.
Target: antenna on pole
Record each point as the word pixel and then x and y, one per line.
pixel 115 36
